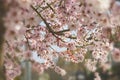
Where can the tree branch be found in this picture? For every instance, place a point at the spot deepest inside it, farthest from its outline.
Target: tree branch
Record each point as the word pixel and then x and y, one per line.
pixel 47 25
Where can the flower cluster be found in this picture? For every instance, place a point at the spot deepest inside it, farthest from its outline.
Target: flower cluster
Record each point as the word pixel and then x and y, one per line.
pixel 78 26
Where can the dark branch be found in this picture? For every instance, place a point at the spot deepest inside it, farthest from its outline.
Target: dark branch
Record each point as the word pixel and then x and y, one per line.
pixel 47 25
pixel 51 7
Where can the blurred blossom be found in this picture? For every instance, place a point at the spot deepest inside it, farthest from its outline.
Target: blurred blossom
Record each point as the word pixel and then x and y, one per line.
pixel 100 5
pixel 116 55
pixel 91 65
pixel 97 77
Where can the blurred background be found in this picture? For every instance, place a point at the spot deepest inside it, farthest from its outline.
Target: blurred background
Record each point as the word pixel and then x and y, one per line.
pixel 74 72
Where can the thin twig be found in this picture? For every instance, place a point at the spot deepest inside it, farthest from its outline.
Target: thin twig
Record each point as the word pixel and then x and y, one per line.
pixel 27 42
pixel 72 37
pixel 60 3
pixel 43 8
pixel 51 7
pixel 61 32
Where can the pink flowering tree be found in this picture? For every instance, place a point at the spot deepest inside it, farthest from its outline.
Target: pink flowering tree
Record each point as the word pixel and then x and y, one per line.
pixel 81 28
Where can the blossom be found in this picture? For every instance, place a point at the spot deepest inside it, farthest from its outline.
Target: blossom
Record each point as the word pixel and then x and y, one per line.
pixel 97 77
pixel 81 27
pixel 116 55
pixel 91 65
pixel 60 71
